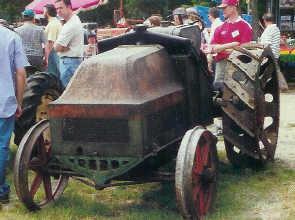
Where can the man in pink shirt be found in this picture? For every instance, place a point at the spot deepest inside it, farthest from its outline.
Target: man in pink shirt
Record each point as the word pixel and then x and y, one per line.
pixel 233 32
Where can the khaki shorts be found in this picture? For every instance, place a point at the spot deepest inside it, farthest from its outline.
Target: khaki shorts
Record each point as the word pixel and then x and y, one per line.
pixel 219 75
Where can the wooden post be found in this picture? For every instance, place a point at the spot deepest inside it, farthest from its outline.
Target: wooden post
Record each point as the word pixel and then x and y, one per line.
pixel 121 8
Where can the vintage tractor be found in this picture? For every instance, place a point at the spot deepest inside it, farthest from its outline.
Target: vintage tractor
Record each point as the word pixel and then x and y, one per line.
pixel 143 102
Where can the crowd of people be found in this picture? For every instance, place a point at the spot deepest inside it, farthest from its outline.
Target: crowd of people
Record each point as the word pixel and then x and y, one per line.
pixel 59 49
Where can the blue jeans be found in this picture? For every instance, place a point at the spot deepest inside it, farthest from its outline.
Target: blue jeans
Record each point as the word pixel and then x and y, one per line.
pixel 53 63
pixel 6 129
pixel 67 68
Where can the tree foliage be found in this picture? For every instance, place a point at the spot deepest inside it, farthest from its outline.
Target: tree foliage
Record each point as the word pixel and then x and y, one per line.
pixel 11 9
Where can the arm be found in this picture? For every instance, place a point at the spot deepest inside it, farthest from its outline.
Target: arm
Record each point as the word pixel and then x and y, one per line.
pixel 20 61
pixel 63 40
pixel 48 47
pixel 60 48
pixel 20 81
pixel 217 48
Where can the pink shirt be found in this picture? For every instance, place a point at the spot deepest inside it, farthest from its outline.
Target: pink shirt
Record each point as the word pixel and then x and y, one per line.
pixel 238 31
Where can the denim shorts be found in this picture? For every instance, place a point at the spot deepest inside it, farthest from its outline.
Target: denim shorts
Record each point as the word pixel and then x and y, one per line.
pixel 67 68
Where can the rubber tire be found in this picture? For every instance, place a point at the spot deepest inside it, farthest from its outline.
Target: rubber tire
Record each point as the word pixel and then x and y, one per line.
pixel 38 85
pixel 183 175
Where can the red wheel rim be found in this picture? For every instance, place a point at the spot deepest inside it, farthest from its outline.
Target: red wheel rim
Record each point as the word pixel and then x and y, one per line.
pixel 203 187
pixel 40 177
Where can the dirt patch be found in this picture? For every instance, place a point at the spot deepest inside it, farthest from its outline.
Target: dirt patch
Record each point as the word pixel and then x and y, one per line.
pixel 286 144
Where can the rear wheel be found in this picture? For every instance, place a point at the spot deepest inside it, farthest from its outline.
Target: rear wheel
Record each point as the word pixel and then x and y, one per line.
pixel 251 110
pixel 42 88
pixel 34 185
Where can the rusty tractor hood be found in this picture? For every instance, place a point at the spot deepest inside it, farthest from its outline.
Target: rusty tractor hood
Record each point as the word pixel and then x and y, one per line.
pixel 128 80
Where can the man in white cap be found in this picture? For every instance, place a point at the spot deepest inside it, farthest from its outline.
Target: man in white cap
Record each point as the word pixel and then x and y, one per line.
pixel 233 32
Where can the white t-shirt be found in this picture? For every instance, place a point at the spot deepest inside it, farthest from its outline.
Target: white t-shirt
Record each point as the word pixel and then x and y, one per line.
pixel 216 23
pixel 271 36
pixel 72 36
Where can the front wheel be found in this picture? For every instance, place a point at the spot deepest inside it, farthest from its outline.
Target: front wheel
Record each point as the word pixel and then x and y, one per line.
pixel 196 173
pixel 34 185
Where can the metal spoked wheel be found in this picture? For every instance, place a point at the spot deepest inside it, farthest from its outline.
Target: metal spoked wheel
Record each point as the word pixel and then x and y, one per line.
pixel 251 112
pixel 235 155
pixel 35 187
pixel 267 108
pixel 196 173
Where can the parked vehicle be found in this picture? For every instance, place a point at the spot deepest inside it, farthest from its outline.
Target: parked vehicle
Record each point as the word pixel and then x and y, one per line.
pixel 144 101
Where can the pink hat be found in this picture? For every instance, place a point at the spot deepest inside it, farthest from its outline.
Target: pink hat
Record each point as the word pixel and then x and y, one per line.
pixel 226 3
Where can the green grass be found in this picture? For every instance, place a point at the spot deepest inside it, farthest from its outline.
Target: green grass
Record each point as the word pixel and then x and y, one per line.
pixel 242 194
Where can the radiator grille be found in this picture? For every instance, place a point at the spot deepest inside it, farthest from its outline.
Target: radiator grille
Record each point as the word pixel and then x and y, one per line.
pixel 96 130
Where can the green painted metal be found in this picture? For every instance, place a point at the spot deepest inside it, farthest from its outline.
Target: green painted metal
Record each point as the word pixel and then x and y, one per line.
pixel 102 174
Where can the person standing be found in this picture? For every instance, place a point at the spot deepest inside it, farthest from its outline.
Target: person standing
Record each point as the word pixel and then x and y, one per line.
pixel 69 43
pixel 213 16
pixel 12 84
pixel 215 22
pixel 271 36
pixel 233 32
pixel 52 31
pixel 91 48
pixel 33 38
pixel 180 16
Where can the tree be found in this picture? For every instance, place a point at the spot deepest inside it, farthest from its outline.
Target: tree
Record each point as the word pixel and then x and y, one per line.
pixel 11 9
pixel 144 8
pixel 103 15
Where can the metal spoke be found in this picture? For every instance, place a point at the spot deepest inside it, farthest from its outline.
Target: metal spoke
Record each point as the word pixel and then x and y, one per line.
pixel 202 201
pixel 266 76
pixel 205 154
pixel 36 184
pixel 47 187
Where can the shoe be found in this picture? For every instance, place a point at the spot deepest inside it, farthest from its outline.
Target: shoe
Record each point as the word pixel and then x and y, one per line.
pixel 4 199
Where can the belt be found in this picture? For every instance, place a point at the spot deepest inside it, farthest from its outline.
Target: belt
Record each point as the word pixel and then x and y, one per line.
pixel 71 57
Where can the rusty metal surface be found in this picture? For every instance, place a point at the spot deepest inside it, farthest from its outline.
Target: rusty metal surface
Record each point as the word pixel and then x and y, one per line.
pixel 142 75
pixel 130 88
pixel 134 111
pixel 251 109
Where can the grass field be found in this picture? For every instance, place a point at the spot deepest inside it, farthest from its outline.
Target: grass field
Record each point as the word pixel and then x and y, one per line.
pixel 242 194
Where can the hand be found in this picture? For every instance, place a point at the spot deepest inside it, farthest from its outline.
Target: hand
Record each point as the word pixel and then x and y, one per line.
pixel 45 62
pixel 207 49
pixel 19 111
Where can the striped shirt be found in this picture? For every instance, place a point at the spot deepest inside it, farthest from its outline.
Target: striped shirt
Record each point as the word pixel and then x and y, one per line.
pixel 33 38
pixel 271 36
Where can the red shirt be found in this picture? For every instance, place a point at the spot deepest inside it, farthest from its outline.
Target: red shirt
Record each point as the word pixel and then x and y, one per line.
pixel 238 31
